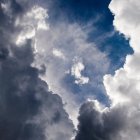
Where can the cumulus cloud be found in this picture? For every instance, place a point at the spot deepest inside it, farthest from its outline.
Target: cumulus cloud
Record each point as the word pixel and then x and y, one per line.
pixel 121 120
pixel 125 82
pixel 28 109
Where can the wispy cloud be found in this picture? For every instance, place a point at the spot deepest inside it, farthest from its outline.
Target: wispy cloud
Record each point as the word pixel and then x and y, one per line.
pixel 69 42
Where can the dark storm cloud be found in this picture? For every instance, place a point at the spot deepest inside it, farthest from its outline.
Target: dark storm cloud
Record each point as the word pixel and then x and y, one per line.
pixel 94 125
pixel 18 91
pixel 24 97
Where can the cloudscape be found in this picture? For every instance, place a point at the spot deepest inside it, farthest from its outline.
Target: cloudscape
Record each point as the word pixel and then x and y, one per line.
pixel 69 70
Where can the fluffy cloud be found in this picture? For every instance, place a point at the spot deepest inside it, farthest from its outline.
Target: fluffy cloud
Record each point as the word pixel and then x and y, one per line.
pixel 28 109
pixel 57 46
pixel 32 20
pixel 58 53
pixel 125 83
pixel 121 120
pixel 100 124
pixel 76 70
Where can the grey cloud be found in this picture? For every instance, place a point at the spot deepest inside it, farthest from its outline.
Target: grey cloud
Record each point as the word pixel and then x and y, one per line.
pixel 70 40
pixel 96 125
pixel 28 110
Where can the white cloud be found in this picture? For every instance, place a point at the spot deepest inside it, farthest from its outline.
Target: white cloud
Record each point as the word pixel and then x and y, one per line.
pixel 27 33
pixel 33 20
pixel 124 87
pixel 76 70
pixel 127 19
pixel 38 14
pixel 58 53
pixel 126 80
pixel 68 41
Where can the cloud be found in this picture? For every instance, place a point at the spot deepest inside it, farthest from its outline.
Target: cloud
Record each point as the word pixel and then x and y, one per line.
pixel 58 48
pixel 125 82
pixel 28 109
pixel 76 70
pixel 58 53
pixel 98 125
pixel 121 120
pixel 32 20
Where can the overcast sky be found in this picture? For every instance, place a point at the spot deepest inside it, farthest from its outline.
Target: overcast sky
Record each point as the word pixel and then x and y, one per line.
pixel 69 69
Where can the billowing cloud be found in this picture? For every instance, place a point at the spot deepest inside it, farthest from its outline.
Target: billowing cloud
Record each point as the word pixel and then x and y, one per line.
pixel 28 109
pixel 121 120
pixel 125 83
pixel 32 21
pixel 100 124
pixel 33 52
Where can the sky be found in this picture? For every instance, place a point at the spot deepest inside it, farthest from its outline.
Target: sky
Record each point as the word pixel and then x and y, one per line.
pixel 69 70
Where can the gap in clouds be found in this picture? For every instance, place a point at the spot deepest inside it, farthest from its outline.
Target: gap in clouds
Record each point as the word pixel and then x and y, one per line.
pixel 96 15
pixel 73 65
pixel 72 39
pixel 96 21
pixel 83 31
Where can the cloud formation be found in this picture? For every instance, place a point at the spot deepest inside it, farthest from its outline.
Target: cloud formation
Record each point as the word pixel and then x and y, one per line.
pixel 65 51
pixel 32 51
pixel 28 110
pixel 98 124
pixel 76 70
pixel 121 120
